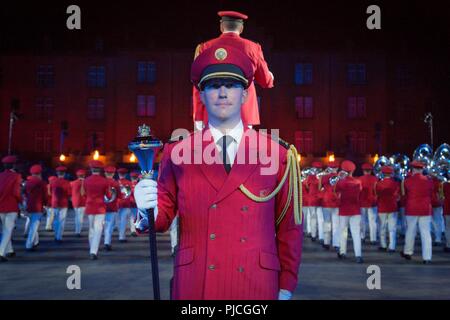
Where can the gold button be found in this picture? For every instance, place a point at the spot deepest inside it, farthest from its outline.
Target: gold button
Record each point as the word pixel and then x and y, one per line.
pixel 241 269
pixel 212 236
pixel 243 239
pixel 244 208
pixel 212 267
pixel 214 206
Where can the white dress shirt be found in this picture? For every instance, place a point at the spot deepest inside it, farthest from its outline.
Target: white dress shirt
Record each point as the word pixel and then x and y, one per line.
pixel 236 133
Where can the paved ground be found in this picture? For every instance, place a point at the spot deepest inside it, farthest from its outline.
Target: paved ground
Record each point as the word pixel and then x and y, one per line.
pixel 124 273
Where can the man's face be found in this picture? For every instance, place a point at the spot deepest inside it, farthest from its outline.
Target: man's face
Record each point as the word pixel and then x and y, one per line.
pixel 223 99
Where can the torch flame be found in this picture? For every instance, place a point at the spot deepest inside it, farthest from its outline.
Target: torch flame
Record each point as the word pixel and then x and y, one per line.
pixel 96 155
pixel 375 159
pixel 299 157
pixel 62 157
pixel 331 158
pixel 132 158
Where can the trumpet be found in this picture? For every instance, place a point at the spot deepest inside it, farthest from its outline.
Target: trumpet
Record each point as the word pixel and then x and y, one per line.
pixel 125 190
pixel 113 196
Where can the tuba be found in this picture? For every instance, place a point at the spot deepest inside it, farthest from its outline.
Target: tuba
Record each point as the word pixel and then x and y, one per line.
pixel 341 175
pixel 401 165
pixel 306 173
pixel 424 154
pixel 381 162
pixel 441 162
pixel 113 196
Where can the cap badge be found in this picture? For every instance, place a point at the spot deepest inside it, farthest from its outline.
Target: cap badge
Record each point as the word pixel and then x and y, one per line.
pixel 221 54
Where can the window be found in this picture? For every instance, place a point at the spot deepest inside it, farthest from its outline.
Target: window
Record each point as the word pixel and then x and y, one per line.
pixel 43 141
pixel 356 107
pixel 45 76
pixel 304 107
pixel 146 106
pixel 96 108
pixel 304 141
pixel 356 73
pixel 146 72
pixel 96 140
pixel 44 108
pixel 303 73
pixel 96 77
pixel 358 142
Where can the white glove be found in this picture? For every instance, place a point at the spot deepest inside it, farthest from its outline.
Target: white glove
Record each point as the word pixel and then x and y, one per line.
pixel 284 295
pixel 198 125
pixel 146 194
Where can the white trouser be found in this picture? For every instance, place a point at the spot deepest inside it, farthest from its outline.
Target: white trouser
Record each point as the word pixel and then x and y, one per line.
pixel 438 222
pixel 424 223
pixel 307 220
pixel 313 220
pixel 79 218
pixel 335 227
pixel 26 228
pixel 174 233
pixel 133 215
pixel 355 229
pixel 59 222
pixel 33 234
pixel 50 217
pixel 369 214
pixel 402 221
pixel 328 225
pixel 124 214
pixel 447 230
pixel 96 222
pixel 8 221
pixel 319 213
pixel 388 221
pixel 110 219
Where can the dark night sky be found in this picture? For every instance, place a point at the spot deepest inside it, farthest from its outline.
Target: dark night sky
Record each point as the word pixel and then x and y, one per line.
pixel 422 25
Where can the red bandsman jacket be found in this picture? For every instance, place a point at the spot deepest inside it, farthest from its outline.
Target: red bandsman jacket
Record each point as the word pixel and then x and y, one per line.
pixel 126 202
pixel 78 201
pixel 367 198
pixel 96 187
pixel 435 201
pixel 61 191
pixel 312 186
pixel 329 197
pixel 249 111
pixel 388 193
pixel 349 190
pixel 114 205
pixel 418 189
pixel 230 245
pixel 10 191
pixel 37 194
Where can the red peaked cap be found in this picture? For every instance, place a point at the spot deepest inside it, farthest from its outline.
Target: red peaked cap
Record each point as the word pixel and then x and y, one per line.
pixel 333 164
pixel 110 169
pixel 417 165
pixel 61 168
pixel 317 164
pixel 348 166
pixel 387 170
pixel 222 62
pixel 81 172
pixel 367 166
pixel 36 169
pixel 232 14
pixel 96 164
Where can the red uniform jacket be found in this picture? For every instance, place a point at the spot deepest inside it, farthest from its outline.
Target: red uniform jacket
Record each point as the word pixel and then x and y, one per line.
pixel 114 205
pixel 230 247
pixel 78 201
pixel 61 191
pixel 312 185
pixel 125 202
pixel 249 111
pixel 388 193
pixel 329 197
pixel 349 190
pixel 435 201
pixel 9 191
pixel 96 187
pixel 446 190
pixel 418 190
pixel 37 194
pixel 367 198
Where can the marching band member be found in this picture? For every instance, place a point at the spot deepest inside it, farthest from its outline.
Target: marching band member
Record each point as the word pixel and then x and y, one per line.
pixel 78 201
pixel 418 190
pixel 126 203
pixel 330 204
pixel 36 194
pixel 312 185
pixel 9 205
pixel 368 203
pixel 60 191
pixel 388 192
pixel 111 207
pixel 96 188
pixel 438 218
pixel 231 26
pixel 135 177
pixel 348 191
pixel 49 210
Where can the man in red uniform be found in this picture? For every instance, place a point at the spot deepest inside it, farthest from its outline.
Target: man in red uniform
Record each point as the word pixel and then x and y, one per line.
pixel 231 26
pixel 36 194
pixel 134 176
pixel 312 187
pixel 231 244
pixel 50 215
pixel 418 190
pixel 368 203
pixel 60 191
pixel 78 201
pixel 125 202
pixel 438 218
pixel 446 195
pixel 330 208
pixel 348 191
pixel 388 194
pixel 96 188
pixel 9 205
pixel 111 207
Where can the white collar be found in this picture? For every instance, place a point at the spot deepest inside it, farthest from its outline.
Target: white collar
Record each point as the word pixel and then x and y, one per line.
pixel 236 132
pixel 236 32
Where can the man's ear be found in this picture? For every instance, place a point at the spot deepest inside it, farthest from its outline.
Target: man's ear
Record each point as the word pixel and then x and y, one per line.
pixel 244 96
